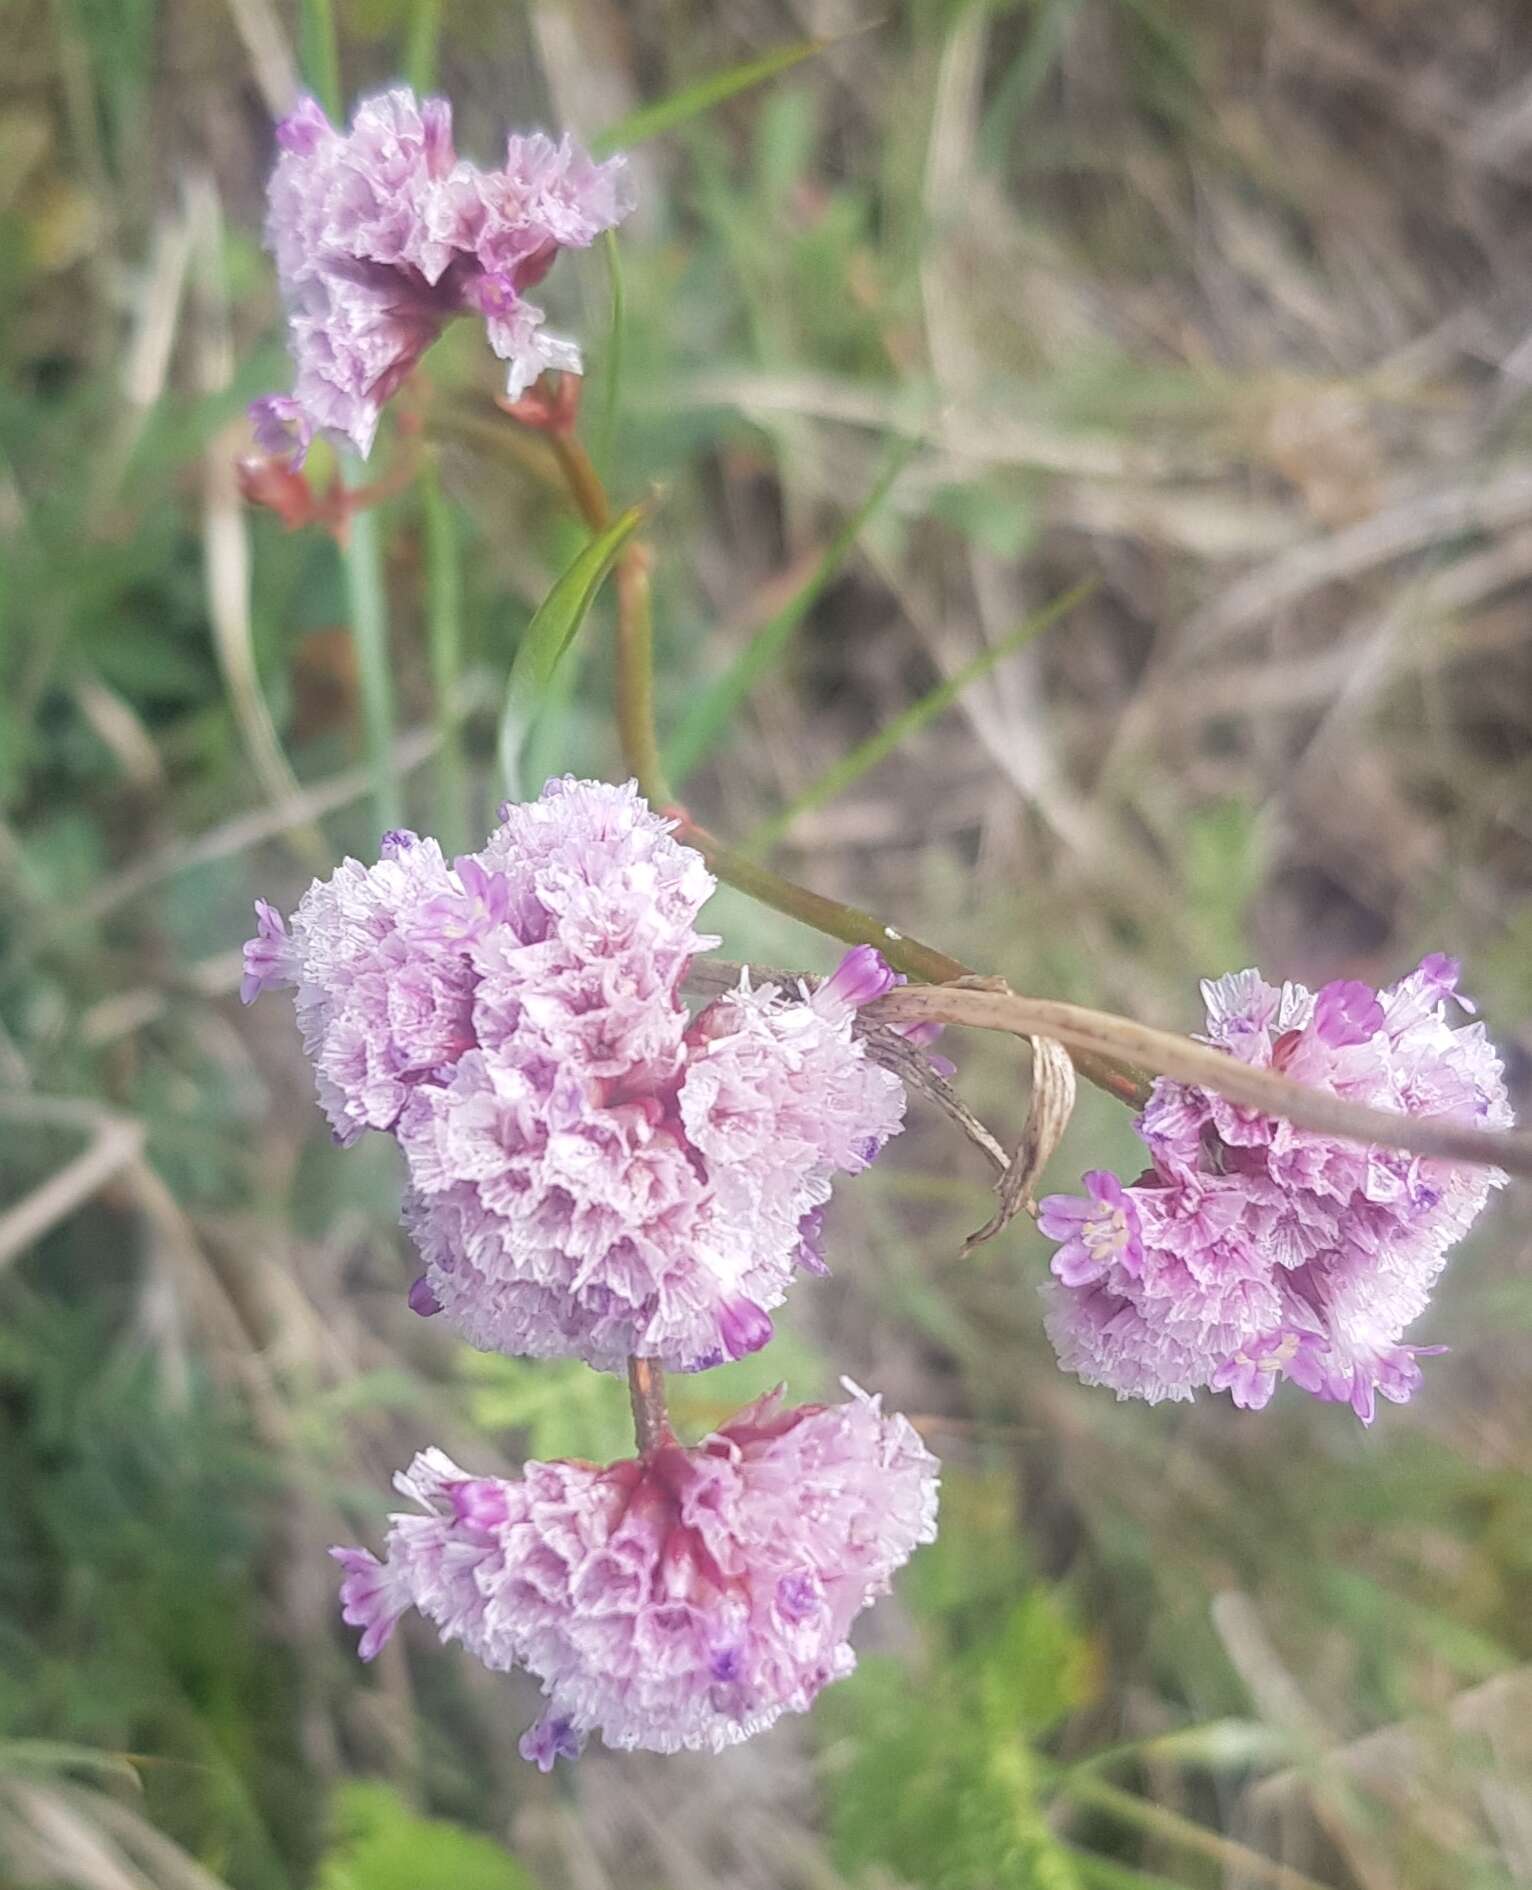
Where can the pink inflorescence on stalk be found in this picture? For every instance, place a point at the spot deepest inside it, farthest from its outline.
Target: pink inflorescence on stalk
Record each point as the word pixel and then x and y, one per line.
pixel 686 1599
pixel 1252 1251
pixel 382 234
pixel 593 1172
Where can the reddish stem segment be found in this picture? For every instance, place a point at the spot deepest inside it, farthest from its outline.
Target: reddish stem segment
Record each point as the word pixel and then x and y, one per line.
pixel 651 1419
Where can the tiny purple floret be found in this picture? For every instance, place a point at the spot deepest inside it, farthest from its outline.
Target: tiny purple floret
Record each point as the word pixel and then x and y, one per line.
pixel 1252 1251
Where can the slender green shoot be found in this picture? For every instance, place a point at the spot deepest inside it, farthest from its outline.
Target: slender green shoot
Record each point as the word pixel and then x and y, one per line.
pixel 877 747
pixel 650 121
pixel 715 707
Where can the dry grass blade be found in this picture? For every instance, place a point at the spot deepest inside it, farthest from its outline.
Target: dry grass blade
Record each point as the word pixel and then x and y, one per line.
pixel 250 830
pixel 47 1839
pixel 1048 1113
pixel 116 1142
pixel 1479 505
pixel 1444 1780
pixel 913 1066
pixel 225 540
pixel 271 56
pixel 1117 1039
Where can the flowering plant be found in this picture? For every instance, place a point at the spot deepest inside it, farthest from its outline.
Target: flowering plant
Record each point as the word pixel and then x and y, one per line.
pixel 596 1170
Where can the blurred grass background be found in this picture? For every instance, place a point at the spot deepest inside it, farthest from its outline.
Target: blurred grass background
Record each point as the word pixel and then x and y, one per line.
pixel 1226 311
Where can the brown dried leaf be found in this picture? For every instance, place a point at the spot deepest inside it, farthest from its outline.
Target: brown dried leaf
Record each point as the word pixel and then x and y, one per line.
pixel 1052 1103
pixel 912 1066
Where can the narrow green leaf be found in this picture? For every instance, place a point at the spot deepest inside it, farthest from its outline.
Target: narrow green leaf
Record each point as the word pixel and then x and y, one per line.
pixel 1106 1873
pixel 1040 51
pixel 1172 1828
pixel 714 709
pixel 649 121
pixel 319 54
pixel 549 635
pixel 838 777
pixel 381 1843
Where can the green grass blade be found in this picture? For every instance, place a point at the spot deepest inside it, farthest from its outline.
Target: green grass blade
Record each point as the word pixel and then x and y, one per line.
pixel 549 635
pixel 1106 1873
pixel 319 54
pixel 420 48
pixel 714 709
pixel 837 778
pixel 650 121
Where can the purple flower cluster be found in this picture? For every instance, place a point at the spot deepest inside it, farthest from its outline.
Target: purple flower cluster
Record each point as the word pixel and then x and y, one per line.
pixel 686 1599
pixel 593 1172
pixel 1252 1251
pixel 383 234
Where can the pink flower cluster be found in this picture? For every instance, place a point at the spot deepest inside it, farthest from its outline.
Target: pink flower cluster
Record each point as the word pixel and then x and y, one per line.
pixel 1252 1251
pixel 593 1172
pixel 686 1599
pixel 383 233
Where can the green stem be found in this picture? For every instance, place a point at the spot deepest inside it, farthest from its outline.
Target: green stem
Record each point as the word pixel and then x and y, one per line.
pixel 848 923
pixel 319 54
pixel 635 623
pixel 635 675
pixel 420 56
pixel 362 557
pixel 444 612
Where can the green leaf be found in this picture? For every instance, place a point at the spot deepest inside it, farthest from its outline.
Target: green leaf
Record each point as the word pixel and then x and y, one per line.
pixel 714 708
pixel 550 633
pixel 650 121
pixel 957 1794
pixel 867 754
pixel 382 1845
pixel 561 1407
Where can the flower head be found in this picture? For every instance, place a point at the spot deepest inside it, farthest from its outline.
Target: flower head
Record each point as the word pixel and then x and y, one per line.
pixel 687 1599
pixel 382 234
pixel 592 1171
pixel 1253 1251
